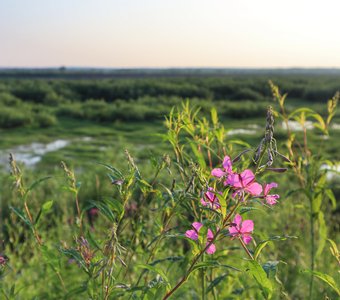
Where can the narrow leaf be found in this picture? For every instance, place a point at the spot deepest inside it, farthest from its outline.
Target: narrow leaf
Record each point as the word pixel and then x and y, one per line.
pixel 260 276
pixel 325 278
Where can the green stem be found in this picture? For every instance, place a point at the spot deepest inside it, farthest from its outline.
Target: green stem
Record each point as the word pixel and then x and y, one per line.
pixel 312 239
pixel 203 280
pixel 245 248
pixel 185 277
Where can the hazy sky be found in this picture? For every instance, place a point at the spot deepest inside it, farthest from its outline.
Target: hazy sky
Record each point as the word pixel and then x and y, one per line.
pixel 170 33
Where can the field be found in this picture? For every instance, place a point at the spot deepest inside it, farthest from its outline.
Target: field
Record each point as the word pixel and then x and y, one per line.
pixel 113 224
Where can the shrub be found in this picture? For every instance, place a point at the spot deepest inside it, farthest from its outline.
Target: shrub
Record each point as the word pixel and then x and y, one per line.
pixel 45 120
pixel 12 118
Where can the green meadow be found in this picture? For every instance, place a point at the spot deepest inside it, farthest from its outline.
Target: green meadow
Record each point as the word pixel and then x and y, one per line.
pixel 87 119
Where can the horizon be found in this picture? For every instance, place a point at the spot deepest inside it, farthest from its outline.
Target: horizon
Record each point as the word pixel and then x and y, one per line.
pixel 162 68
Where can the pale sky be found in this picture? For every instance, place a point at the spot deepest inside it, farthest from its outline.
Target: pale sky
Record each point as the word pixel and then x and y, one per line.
pixel 170 33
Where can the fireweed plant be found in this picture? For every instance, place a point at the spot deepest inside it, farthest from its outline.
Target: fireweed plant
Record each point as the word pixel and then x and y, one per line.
pixel 229 192
pixel 189 231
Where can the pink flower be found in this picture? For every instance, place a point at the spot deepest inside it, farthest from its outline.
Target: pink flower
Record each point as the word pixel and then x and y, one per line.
pixel 211 249
pixel 271 199
pixel 244 183
pixel 3 259
pixel 93 211
pixel 193 235
pixel 227 166
pixel 210 199
pixel 242 229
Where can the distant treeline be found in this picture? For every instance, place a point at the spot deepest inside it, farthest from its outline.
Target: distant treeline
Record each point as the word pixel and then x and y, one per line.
pixel 41 102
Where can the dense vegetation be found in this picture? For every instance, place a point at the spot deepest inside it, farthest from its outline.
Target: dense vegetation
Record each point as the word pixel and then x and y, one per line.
pixel 110 224
pixel 41 102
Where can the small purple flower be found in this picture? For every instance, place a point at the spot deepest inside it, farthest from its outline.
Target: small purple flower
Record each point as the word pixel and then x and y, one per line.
pixel 271 199
pixel 244 183
pixel 193 235
pixel 242 229
pixel 93 211
pixel 210 199
pixel 3 260
pixel 212 248
pixel 227 168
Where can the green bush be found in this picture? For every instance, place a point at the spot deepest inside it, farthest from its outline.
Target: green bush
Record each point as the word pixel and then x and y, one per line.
pixel 8 99
pixel 45 120
pixel 12 118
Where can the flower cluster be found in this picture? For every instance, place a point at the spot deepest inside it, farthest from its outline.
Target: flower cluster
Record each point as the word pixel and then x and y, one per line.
pixel 244 183
pixel 243 187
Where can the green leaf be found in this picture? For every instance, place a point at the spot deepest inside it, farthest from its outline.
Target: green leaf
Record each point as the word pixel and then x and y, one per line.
pixel 214 117
pixel 195 249
pixel 246 209
pixel 104 209
pixel 321 125
pixel 112 169
pixel 21 215
pixel 35 183
pixel 260 246
pixel 316 203
pixel 145 183
pixel 216 281
pixel 334 249
pixel 270 268
pixel 331 197
pixel 322 233
pixel 260 276
pixel 170 258
pixel 44 209
pixel 223 202
pixel 116 206
pixel 301 110
pixel 75 255
pixel 211 264
pixel 157 271
pixel 47 206
pixel 202 235
pixel 198 154
pixel 325 278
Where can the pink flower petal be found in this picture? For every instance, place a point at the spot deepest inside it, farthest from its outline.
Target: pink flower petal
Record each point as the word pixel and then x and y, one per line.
pixel 197 226
pixel 237 220
pixel 271 199
pixel 268 187
pixel 203 202
pixel 218 173
pixel 211 249
pixel 254 188
pixel 247 239
pixel 191 234
pixel 233 230
pixel 210 235
pixel 234 180
pixel 227 164
pixel 210 195
pixel 247 226
pixel 247 177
